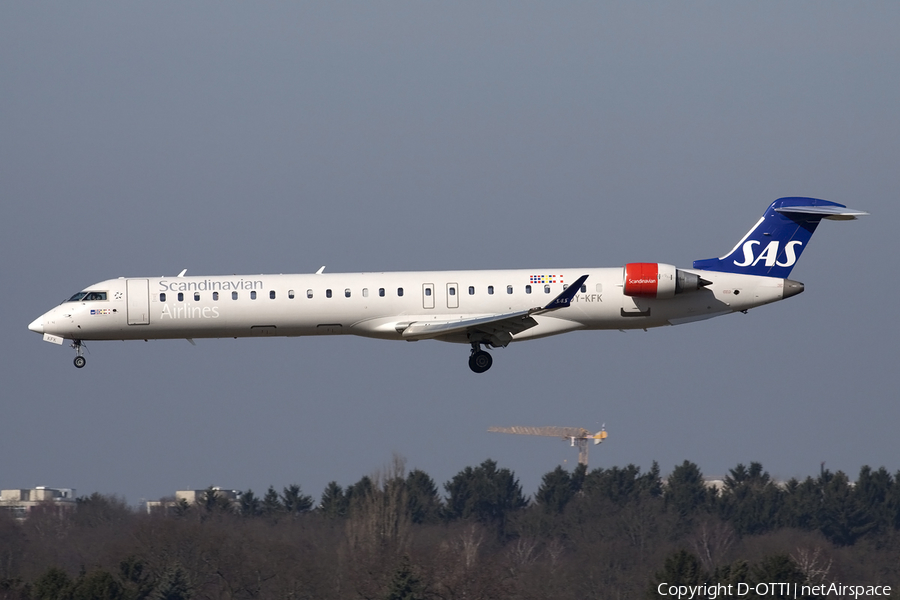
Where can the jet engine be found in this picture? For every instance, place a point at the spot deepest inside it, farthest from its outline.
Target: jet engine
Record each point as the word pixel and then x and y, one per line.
pixel 658 280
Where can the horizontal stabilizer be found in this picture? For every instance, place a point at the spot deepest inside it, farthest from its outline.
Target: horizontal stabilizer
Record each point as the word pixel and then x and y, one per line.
pixel 836 213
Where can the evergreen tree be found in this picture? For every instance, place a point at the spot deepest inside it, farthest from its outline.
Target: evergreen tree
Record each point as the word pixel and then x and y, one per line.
pixel 135 578
pixel 777 569
pixel 680 568
pixel 423 500
pixel 250 504
pixel 686 492
pixel 99 585
pixel 578 477
pixel 294 501
pixel 486 494
pixel 173 584
pixel 181 508
pixel 214 501
pixel 842 518
pixel 892 503
pixel 271 503
pixel 802 504
pixel 54 584
pixel 360 490
pixel 405 585
pixel 872 492
pixel 736 572
pixel 751 501
pixel 334 502
pixel 556 490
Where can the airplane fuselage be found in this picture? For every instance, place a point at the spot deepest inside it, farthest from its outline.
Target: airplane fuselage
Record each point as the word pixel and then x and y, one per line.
pixel 479 308
pixel 378 305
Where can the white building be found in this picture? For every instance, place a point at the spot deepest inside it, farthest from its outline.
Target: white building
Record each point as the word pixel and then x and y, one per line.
pixel 21 502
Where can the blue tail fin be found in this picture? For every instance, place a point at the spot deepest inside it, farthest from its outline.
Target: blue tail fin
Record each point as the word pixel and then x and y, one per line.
pixel 775 243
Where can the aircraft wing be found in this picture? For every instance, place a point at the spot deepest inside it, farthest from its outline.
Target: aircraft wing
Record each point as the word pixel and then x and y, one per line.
pixel 498 328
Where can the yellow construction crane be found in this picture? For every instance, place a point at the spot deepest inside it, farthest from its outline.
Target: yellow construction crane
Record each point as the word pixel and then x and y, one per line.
pixel 576 435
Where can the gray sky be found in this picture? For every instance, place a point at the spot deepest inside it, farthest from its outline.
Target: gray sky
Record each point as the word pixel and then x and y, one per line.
pixel 138 139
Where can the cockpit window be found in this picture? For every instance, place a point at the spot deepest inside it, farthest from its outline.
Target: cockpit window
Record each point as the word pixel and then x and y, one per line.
pixel 87 297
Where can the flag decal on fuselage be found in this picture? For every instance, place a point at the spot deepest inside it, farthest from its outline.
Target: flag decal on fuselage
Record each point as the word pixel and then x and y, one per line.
pixel 546 279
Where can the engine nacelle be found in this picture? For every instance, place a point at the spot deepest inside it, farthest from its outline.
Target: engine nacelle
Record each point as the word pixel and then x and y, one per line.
pixel 659 280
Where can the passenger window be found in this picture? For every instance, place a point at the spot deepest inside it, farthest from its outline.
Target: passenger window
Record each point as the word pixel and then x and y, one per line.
pixel 328 293
pixel 381 292
pixel 509 289
pixel 309 293
pixel 347 293
pixel 453 291
pixel 527 289
pixel 271 294
pixel 196 296
pixel 427 291
pixel 546 289
pixel 365 292
pixel 253 295
pixel 584 289
pixel 490 289
pixel 471 290
pixel 162 297
pixel 291 294
pixel 234 295
pixel 399 291
pixel 181 296
pixel 215 295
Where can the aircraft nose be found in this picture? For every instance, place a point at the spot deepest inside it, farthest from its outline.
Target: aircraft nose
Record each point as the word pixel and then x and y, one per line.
pixel 37 325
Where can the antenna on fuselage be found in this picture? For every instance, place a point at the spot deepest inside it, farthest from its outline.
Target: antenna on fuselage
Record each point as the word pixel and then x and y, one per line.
pixel 321 270
pixel 183 271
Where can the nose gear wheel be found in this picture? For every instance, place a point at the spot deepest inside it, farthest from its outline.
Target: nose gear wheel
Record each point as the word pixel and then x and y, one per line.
pixel 80 360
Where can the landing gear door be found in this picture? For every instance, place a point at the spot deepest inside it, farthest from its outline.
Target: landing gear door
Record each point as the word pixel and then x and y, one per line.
pixel 138 298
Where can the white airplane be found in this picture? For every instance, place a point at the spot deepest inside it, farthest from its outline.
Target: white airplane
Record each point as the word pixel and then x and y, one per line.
pixel 479 308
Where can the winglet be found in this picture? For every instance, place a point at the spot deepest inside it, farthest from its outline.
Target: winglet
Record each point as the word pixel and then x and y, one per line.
pixel 565 298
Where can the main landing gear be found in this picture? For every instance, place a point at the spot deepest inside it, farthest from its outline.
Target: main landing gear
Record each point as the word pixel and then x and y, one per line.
pixel 80 360
pixel 479 360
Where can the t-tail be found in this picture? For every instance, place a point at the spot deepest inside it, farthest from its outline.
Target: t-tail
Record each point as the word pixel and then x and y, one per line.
pixel 773 246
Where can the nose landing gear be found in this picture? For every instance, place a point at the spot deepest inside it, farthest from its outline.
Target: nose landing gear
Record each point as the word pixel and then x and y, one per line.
pixel 479 360
pixel 80 360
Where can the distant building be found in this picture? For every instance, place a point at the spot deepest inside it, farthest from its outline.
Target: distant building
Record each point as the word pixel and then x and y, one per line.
pixel 715 484
pixel 199 496
pixel 22 502
pixel 191 497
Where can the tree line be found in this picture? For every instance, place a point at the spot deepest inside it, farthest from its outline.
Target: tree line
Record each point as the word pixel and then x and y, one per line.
pixel 615 532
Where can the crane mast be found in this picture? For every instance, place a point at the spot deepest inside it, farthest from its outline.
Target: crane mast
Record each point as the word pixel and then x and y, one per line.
pixel 577 436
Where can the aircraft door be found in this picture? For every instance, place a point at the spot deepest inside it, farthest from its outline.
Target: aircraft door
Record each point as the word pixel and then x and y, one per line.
pixel 138 301
pixel 428 295
pixel 452 295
